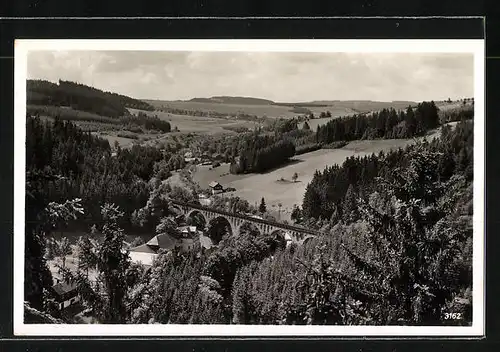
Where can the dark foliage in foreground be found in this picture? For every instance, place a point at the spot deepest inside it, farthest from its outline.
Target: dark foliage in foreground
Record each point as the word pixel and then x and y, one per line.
pixel 396 249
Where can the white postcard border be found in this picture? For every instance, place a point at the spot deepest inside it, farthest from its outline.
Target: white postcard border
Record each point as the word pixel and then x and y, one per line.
pixel 475 47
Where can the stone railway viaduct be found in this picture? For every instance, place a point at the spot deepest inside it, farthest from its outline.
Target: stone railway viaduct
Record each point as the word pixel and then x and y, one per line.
pixel 295 233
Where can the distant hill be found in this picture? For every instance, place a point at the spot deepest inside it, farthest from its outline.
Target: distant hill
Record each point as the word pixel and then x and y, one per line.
pixel 364 105
pixel 233 100
pixel 357 105
pixel 81 97
pixel 224 106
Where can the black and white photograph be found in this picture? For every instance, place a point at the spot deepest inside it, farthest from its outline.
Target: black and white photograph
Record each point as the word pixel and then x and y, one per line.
pixel 249 187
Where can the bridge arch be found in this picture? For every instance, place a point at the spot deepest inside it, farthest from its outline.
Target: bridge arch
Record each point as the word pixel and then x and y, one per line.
pixel 196 218
pixel 233 223
pixel 281 237
pixel 217 227
pixel 307 239
pixel 248 226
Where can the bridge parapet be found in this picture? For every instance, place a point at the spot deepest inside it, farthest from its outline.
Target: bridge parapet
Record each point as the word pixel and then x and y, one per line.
pixel 298 234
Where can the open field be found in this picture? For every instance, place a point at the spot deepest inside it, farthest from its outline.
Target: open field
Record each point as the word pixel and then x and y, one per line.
pixel 314 123
pixel 69 114
pixel 268 110
pixel 336 107
pixel 123 142
pixel 253 187
pixel 199 124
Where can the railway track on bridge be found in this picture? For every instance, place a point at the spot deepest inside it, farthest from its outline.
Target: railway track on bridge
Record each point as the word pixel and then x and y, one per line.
pixel 249 218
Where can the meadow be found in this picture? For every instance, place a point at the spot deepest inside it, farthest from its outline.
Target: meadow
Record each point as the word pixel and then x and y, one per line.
pixel 273 111
pixel 276 186
pixel 199 124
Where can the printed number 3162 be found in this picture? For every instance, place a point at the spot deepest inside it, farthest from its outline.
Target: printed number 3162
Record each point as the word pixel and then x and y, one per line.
pixel 454 316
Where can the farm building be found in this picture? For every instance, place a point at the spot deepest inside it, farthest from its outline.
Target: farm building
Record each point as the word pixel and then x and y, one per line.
pixel 190 160
pixel 143 254
pixel 216 187
pixel 146 253
pixel 188 231
pixel 65 294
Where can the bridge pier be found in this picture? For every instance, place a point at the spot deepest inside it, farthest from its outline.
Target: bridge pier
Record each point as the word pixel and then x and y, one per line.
pixel 297 234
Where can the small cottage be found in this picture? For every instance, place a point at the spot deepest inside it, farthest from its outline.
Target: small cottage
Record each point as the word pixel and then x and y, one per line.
pixel 65 294
pixel 216 187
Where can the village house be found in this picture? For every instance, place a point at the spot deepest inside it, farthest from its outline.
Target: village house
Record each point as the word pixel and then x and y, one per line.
pixel 188 231
pixel 146 253
pixel 190 160
pixel 216 187
pixel 65 294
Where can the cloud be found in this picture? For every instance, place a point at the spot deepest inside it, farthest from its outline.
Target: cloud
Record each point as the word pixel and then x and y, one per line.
pixel 277 76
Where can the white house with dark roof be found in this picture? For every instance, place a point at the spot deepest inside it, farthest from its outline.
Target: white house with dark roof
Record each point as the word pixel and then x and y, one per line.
pixel 188 231
pixel 65 294
pixel 216 187
pixel 145 254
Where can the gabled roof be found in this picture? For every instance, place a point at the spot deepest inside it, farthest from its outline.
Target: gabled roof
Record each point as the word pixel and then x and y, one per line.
pixel 214 183
pixel 163 241
pixel 143 248
pixel 62 288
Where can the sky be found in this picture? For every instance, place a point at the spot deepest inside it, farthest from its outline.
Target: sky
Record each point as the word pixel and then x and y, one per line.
pixel 278 76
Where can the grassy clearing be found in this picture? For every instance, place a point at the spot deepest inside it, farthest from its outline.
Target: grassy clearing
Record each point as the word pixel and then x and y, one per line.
pixel 274 111
pixel 253 187
pixel 123 142
pixel 70 114
pixel 314 123
pixel 199 124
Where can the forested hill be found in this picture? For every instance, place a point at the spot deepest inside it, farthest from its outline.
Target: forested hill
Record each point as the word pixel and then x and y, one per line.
pixel 233 100
pixel 81 97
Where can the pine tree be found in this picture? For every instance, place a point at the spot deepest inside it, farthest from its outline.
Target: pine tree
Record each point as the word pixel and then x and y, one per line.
pixel 412 248
pixel 109 294
pixel 262 206
pixel 87 256
pixel 63 249
pixel 296 214
pixel 350 205
pixel 242 306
